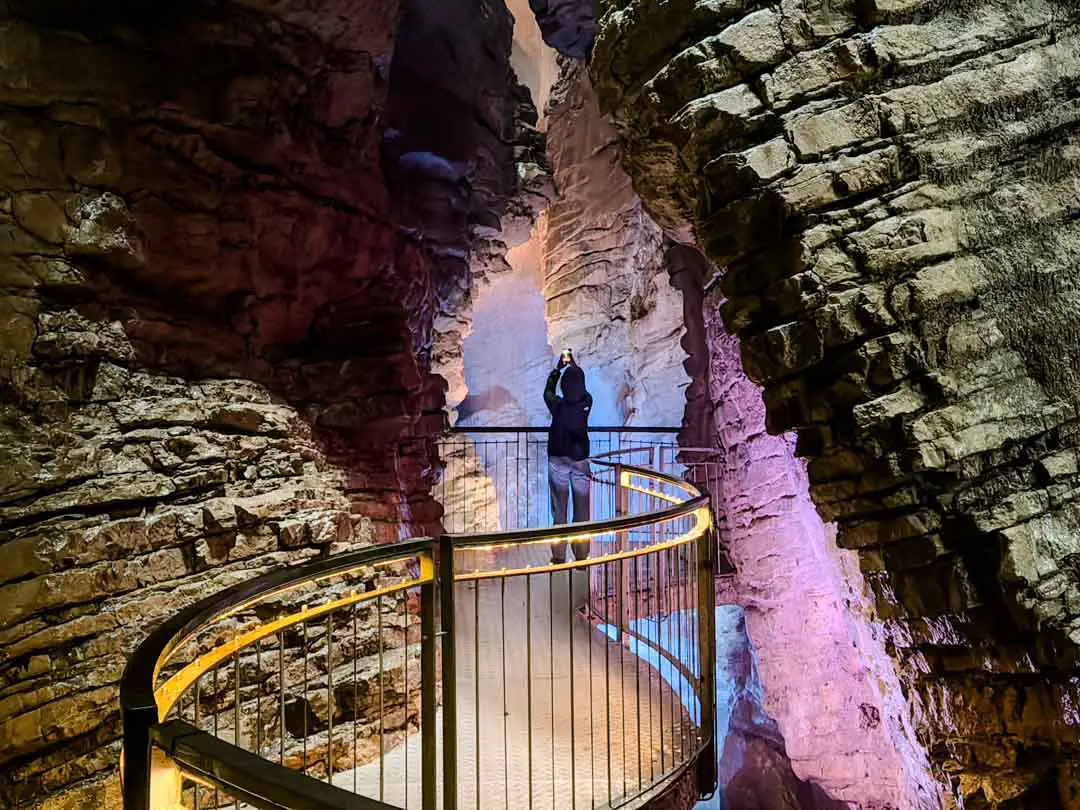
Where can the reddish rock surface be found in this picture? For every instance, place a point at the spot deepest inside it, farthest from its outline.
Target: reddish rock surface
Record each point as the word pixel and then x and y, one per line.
pixel 217 318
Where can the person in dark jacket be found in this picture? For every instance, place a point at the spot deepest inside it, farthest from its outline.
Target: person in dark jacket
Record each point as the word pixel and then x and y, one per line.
pixel 568 449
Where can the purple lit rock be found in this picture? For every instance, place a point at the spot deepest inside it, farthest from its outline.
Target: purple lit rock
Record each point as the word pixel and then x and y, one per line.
pixel 568 26
pixel 827 680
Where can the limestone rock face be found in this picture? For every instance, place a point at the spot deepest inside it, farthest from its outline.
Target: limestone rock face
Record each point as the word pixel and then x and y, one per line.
pixel 495 239
pixel 889 190
pixel 606 276
pixel 825 676
pixel 216 318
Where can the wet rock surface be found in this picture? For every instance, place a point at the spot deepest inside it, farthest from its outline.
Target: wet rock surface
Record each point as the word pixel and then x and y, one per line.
pixel 888 189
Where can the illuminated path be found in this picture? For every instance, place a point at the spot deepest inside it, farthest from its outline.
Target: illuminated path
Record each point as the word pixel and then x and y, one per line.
pixel 533 707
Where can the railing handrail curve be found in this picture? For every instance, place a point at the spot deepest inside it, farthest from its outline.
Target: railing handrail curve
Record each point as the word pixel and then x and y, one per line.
pixel 541 534
pixel 137 684
pixel 139 688
pixel 544 429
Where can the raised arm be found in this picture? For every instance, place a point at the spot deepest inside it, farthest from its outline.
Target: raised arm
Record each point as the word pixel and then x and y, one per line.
pixel 550 397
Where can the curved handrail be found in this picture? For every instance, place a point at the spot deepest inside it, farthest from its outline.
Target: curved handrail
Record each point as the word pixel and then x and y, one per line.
pixel 137 689
pixel 580 530
pixel 146 704
pixel 250 778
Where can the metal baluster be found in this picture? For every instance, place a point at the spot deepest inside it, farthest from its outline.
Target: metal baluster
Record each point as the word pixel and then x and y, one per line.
pixel 680 613
pixel 607 676
pixel 570 679
pixel 551 672
pixel 476 681
pixel 236 711
pixel 405 740
pixel 484 472
pixel 692 630
pixel 281 696
pixel 592 744
pixel 701 563
pixel 449 672
pixel 428 787
pixel 304 694
pixel 683 644
pixel 382 705
pixel 528 674
pixel 356 702
pixel 651 569
pixel 660 600
pixel 688 620
pixel 236 700
pixel 329 698
pixel 622 508
pixel 198 725
pixel 214 686
pixel 673 643
pixel 637 669
pixel 506 744
pixel 258 697
pixel 707 639
pixel 624 641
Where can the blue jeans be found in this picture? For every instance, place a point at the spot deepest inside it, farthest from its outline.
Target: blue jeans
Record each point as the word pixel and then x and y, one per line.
pixel 565 476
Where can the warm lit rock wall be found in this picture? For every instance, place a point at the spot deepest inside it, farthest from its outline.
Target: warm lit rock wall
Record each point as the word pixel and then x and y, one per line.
pixel 890 189
pixel 606 280
pixel 214 329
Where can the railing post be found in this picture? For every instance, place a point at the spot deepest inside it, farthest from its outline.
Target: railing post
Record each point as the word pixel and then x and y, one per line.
pixel 137 757
pixel 449 672
pixel 428 710
pixel 706 583
pixel 622 507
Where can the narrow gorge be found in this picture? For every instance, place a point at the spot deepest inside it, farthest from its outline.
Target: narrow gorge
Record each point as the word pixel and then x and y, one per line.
pixel 259 257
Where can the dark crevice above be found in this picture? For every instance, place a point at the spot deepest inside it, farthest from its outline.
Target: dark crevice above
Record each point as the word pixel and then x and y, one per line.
pixel 568 26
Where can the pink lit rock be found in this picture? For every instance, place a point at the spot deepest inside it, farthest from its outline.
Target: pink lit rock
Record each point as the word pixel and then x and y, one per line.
pixel 827 680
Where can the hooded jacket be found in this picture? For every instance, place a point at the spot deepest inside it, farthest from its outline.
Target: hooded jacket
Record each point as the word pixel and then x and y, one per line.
pixel 569 432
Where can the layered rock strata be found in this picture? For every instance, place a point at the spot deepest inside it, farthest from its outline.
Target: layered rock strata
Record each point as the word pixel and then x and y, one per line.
pixel 890 190
pixel 499 241
pixel 606 281
pixel 825 676
pixel 215 328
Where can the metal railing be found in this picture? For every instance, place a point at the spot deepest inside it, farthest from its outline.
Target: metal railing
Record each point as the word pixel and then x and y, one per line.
pixel 496 478
pixel 468 671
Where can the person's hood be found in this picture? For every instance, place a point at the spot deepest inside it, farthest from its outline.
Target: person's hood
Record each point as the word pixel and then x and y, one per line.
pixel 573 384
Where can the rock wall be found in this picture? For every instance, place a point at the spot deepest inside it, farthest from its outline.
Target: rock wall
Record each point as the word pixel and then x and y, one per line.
pixel 501 247
pixel 826 678
pixel 890 189
pixel 754 771
pixel 533 61
pixel 217 312
pixel 606 279
pixel 568 26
